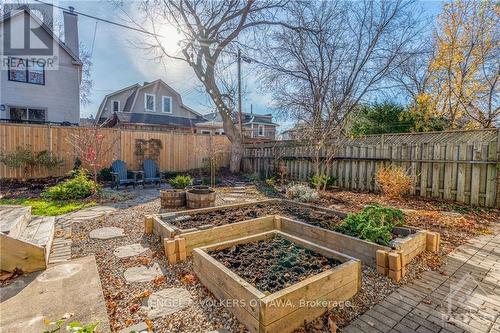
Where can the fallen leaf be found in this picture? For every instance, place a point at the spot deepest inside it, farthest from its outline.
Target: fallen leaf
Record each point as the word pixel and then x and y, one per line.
pixel 6 276
pixel 149 324
pixel 188 279
pixel 129 322
pixel 331 325
pixel 159 280
pixel 144 261
pixel 133 308
pixel 111 305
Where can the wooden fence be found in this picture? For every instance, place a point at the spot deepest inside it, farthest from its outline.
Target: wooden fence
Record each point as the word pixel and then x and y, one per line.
pixel 179 152
pixel 461 166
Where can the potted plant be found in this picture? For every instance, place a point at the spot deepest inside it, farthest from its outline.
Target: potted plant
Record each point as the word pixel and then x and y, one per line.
pixel 175 197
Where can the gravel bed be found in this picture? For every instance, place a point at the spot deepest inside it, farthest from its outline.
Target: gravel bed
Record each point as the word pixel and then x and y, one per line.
pixel 205 313
pixel 273 264
pixel 238 214
pixel 124 300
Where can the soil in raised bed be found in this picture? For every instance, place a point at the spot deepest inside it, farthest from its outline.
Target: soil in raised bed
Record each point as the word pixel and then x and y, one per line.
pixel 273 264
pixel 232 215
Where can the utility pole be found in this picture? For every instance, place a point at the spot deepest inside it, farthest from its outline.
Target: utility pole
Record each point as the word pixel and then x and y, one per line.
pixel 240 117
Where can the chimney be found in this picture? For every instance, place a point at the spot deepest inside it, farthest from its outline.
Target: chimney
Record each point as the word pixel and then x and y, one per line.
pixel 71 30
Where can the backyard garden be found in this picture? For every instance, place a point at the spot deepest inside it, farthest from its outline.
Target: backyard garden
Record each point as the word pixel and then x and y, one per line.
pixel 137 272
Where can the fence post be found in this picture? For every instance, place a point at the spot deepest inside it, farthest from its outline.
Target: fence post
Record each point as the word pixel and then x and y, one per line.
pixel 497 180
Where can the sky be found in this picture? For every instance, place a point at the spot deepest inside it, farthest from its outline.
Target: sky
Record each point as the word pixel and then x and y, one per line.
pixel 117 62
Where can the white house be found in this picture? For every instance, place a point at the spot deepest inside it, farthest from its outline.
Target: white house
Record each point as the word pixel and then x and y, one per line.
pixel 30 92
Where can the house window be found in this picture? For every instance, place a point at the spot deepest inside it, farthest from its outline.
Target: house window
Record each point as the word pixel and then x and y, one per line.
pixel 166 104
pixel 116 106
pixel 260 130
pixel 149 102
pixel 27 114
pixel 22 70
pixel 205 132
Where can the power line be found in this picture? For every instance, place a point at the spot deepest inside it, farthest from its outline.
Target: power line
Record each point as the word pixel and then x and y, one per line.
pixel 103 20
pixel 245 58
pixel 93 41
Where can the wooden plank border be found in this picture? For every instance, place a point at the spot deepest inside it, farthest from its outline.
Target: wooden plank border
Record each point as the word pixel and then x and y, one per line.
pixel 289 308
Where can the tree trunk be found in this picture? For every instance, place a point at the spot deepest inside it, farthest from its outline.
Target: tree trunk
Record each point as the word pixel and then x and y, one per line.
pixel 236 156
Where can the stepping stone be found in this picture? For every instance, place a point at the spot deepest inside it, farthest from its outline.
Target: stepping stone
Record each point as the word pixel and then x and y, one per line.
pixel 138 328
pixel 167 301
pixel 143 273
pixel 129 250
pixel 106 233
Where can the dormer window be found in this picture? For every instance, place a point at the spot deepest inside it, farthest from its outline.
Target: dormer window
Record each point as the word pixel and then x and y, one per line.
pixel 115 106
pixel 149 102
pixel 166 106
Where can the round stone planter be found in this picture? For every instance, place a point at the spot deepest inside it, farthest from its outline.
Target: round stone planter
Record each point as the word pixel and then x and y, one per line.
pixel 200 197
pixel 173 198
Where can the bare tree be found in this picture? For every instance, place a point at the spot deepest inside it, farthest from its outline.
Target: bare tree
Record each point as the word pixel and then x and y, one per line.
pixel 91 146
pixel 412 77
pixel 320 75
pixel 211 32
pixel 86 84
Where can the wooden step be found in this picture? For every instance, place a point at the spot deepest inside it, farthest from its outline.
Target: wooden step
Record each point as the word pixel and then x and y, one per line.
pixel 40 231
pixel 14 219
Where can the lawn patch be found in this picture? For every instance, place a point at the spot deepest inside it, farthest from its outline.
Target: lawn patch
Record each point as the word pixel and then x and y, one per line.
pixel 49 207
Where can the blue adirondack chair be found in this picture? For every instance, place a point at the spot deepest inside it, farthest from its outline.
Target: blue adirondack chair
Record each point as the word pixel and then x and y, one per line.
pixel 120 175
pixel 151 172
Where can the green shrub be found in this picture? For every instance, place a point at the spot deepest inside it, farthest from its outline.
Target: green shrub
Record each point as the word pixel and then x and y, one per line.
pixel 78 187
pixel 253 177
pixel 270 182
pixel 170 174
pixel 181 182
pixel 374 223
pixel 77 164
pixel 322 182
pixel 206 181
pixel 27 160
pixel 105 174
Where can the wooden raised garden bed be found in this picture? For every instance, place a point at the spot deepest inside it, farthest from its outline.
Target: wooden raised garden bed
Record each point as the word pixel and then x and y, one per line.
pixel 285 309
pixel 412 242
pixel 170 226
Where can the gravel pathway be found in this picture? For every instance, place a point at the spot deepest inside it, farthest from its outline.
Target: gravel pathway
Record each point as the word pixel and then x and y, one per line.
pixel 126 302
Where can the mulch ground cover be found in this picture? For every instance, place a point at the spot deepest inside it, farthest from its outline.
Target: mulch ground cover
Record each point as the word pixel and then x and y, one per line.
pixel 233 215
pixel 31 188
pixel 455 222
pixel 273 264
